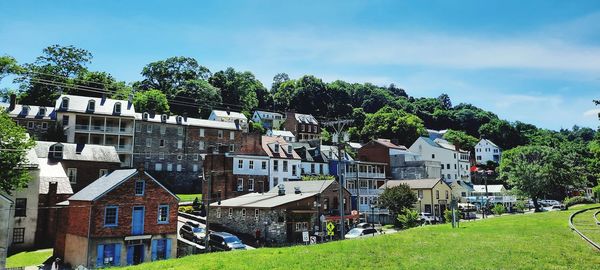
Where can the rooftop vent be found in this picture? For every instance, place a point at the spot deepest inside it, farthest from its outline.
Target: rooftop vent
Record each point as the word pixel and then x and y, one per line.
pixel 297 190
pixel 281 189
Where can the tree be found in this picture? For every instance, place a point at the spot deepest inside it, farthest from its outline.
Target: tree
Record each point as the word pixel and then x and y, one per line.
pixel 393 124
pixel 151 100
pixel 444 100
pixel 195 97
pixel 502 133
pixel 325 136
pixel 15 144
pixel 278 80
pixel 8 65
pixel 97 83
pixel 257 127
pixel 397 198
pixel 408 219
pixel 171 74
pixel 239 89
pixel 461 139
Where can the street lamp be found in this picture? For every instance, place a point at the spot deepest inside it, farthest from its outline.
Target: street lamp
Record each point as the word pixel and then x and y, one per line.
pixel 420 205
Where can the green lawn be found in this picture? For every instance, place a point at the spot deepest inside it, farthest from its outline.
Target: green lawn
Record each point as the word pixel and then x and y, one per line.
pixel 524 241
pixel 188 197
pixel 586 224
pixel 28 258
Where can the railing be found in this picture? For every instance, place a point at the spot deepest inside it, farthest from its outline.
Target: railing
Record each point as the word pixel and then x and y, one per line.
pixel 365 191
pixel 492 199
pixel 352 175
pixel 82 127
pixel 124 147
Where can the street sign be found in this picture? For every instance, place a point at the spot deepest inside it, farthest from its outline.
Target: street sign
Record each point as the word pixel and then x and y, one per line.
pixel 330 228
pixel 305 236
pixel 322 218
pixel 313 240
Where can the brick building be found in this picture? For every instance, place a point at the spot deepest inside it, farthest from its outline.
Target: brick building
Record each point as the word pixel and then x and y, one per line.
pixel 172 147
pixel 39 121
pixel 283 213
pixel 125 217
pixel 303 126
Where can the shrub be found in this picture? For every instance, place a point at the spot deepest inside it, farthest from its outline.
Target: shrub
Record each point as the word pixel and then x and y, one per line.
pixel 498 209
pixel 408 219
pixel 520 206
pixel 577 200
pixel 596 192
pixel 448 215
pixel 186 209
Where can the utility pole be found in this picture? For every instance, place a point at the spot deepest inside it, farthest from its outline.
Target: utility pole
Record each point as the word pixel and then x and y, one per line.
pixel 206 246
pixel 339 126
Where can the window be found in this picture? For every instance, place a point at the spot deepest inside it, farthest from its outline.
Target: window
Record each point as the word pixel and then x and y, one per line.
pixel 91 105
pixel 285 166
pixel 437 194
pixel 179 168
pixel 42 111
pixel 65 120
pixel 65 103
pixel 149 128
pixel 432 155
pixel 138 127
pixel 161 249
pixel 293 169
pixel 148 142
pixel 231 135
pixel 320 168
pixel 312 168
pixel 201 132
pixel 30 125
pixel 179 121
pixel 201 145
pixel 147 155
pixel 20 207
pixel 264 165
pixel 180 131
pixel 276 165
pixel 180 157
pixel 251 164
pixel 139 188
pixel 219 212
pixel 161 155
pixel 276 148
pixel 454 155
pixel 448 166
pixel 446 194
pixel 240 184
pixel 179 144
pixel 102 172
pixel 163 214
pixel 111 216
pixel 161 143
pixel 158 167
pixel 455 166
pixel 118 107
pixel 240 163
pixel 230 214
pixel 18 235
pixel 108 255
pixel 449 176
pixel 420 194
pixel 196 157
pixel 463 194
pixel 275 181
pixel 256 214
pixel 44 125
pixel 243 213
pixel 302 127
pixel 231 147
pixel 72 174
pixel 250 184
pixel 56 151
pixel 195 167
pixel 169 167
pixel 220 134
pixel 301 226
pixel 163 130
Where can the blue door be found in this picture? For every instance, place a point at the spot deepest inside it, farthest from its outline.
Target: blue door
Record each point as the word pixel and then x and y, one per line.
pixel 137 226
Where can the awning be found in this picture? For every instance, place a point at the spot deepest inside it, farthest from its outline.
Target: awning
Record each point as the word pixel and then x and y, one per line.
pixel 137 237
pixel 331 218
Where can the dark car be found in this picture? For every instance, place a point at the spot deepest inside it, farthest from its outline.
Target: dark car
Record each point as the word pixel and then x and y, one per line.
pixel 224 241
pixel 195 234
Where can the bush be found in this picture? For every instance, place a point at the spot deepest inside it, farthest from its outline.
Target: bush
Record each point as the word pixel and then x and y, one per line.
pixel 448 215
pixel 186 209
pixel 520 206
pixel 408 219
pixel 498 209
pixel 577 200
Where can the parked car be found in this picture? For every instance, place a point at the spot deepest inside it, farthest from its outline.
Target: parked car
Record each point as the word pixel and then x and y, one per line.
pixel 195 234
pixel 364 225
pixel 428 218
pixel 361 232
pixel 225 241
pixel 558 207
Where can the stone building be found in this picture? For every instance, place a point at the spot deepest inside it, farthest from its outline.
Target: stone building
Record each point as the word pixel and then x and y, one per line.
pixel 283 213
pixel 303 126
pixel 124 218
pixel 172 147
pixel 40 121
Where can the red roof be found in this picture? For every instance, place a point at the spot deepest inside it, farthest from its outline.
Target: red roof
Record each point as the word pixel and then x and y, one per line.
pixel 387 143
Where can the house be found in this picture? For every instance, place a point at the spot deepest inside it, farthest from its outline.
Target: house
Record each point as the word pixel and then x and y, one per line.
pixel 363 180
pixel 436 134
pixel 125 217
pixel 433 195
pixel 6 205
pixel 39 121
pixel 380 150
pixel 486 150
pixel 283 213
pixel 313 161
pixel 454 161
pixel 231 117
pixel 303 126
pixel 461 190
pixel 102 121
pixel 493 194
pixel 172 146
pixel 284 161
pixel 286 135
pixel 331 152
pixel 269 120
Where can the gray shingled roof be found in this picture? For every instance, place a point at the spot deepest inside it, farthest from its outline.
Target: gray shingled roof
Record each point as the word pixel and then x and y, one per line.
pixel 103 185
pixel 32 113
pixel 187 121
pixel 306 119
pixel 104 106
pixel 82 152
pixel 53 172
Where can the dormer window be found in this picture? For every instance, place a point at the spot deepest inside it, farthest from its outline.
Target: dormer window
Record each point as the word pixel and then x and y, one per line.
pixel 145 116
pixel 276 148
pixel 91 105
pixel 163 118
pixel 25 110
pixel 289 149
pixel 179 119
pixel 56 151
pixel 42 111
pixel 65 103
pixel 118 108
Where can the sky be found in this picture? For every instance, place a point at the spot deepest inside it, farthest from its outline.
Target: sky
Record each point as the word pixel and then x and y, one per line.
pixel 533 61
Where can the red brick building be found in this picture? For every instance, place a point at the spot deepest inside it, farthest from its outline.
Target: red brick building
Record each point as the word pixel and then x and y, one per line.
pixel 304 126
pixel 379 150
pixel 125 217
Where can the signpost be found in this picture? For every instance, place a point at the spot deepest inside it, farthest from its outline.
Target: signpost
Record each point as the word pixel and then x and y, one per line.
pixel 330 228
pixel 313 240
pixel 305 237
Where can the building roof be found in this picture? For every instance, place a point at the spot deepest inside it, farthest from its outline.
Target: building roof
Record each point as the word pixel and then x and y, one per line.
pixel 187 121
pixel 490 188
pixel 260 113
pixel 212 124
pixel 268 145
pixel 488 141
pixel 388 143
pixel 53 172
pixel 281 133
pixel 306 119
pixel 272 199
pixel 107 183
pixel 104 106
pixel 465 185
pixel 31 112
pixel 81 152
pixel 441 143
pixel 331 152
pixel 229 114
pixel 414 184
pixel 354 145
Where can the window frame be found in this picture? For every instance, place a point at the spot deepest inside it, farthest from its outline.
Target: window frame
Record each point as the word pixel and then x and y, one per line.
pixel 159 216
pixel 251 184
pixel 116 223
pixel 20 234
pixel 69 173
pixel 143 187
pixel 20 207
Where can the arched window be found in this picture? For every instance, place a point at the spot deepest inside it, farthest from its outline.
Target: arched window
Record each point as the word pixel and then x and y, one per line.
pixel 65 103
pixel 118 107
pixel 56 151
pixel 145 116
pixel 25 110
pixel 163 118
pixel 179 119
pixel 42 111
pixel 91 105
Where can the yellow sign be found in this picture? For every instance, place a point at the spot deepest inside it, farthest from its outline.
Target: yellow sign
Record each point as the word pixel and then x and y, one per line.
pixel 330 228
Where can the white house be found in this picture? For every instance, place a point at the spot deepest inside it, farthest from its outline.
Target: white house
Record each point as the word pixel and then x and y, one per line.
pixel 486 150
pixel 285 163
pixel 269 120
pixel 229 116
pixel 253 169
pixel 454 161
pixel 285 134
pixel 496 194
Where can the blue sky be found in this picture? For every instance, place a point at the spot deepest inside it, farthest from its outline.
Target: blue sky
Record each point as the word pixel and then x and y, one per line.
pixel 533 61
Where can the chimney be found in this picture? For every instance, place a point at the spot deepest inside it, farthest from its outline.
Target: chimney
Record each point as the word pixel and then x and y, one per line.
pixel 103 99
pixel 13 102
pixel 237 122
pixel 281 190
pixel 297 190
pixel 52 189
pixel 130 99
pixel 185 116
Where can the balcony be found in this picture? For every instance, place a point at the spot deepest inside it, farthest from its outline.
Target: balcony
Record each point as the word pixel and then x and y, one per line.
pixel 365 192
pixel 82 127
pixel 124 147
pixel 372 175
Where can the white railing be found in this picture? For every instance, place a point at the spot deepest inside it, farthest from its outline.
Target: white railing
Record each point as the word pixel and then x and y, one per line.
pixel 352 175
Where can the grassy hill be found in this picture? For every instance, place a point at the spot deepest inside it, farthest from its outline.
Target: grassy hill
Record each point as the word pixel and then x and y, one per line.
pixel 531 241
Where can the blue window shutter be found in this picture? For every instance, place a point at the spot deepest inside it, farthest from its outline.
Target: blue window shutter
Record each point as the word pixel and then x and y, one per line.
pixel 100 256
pixel 129 255
pixel 154 250
pixel 168 255
pixel 117 254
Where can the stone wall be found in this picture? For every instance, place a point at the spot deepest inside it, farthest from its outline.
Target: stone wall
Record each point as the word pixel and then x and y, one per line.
pixel 274 230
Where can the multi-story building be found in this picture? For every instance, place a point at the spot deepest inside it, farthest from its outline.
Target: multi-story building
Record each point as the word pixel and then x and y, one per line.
pixel 363 180
pixel 486 150
pixel 313 161
pixel 6 205
pixel 284 164
pixel 103 121
pixel 269 120
pixel 39 121
pixel 228 116
pixel 124 218
pixel 433 195
pixel 172 147
pixel 454 161
pixel 303 126
pixel 380 150
pixel 491 194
